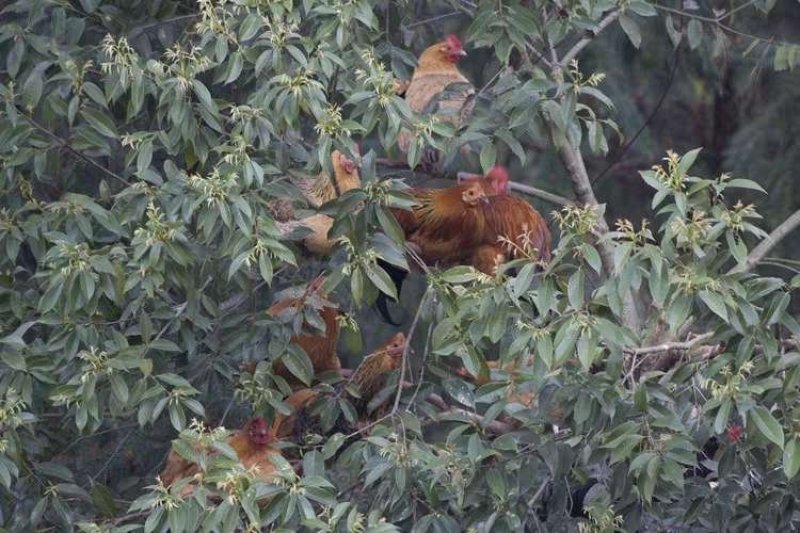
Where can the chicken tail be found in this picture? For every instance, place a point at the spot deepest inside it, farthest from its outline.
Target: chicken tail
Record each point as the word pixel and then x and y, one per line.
pixel 398 275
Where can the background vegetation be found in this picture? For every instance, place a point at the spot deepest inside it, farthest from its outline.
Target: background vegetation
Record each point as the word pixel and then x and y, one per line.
pixel 143 141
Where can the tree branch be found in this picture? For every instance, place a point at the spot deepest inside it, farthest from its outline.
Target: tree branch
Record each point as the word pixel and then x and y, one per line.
pixel 670 346
pixel 65 145
pixel 584 42
pixel 759 252
pixel 573 161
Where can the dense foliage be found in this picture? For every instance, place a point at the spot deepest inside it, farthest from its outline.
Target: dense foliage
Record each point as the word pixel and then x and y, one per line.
pixel 652 375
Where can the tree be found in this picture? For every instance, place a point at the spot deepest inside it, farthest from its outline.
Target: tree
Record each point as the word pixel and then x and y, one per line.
pixel 648 378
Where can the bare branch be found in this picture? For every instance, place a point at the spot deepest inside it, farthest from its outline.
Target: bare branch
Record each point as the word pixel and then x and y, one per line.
pixel 670 346
pixel 584 42
pixel 759 252
pixel 406 349
pixel 573 161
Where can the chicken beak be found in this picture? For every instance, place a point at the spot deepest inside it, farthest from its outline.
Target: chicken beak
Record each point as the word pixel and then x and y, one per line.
pixel 462 53
pixel 485 200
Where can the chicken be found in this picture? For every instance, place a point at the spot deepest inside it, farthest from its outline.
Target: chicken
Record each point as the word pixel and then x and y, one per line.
pixel 322 189
pixel 514 230
pixel 319 346
pixel 510 374
pixel 368 379
pixel 252 445
pixel 446 227
pixel 318 191
pixel 438 88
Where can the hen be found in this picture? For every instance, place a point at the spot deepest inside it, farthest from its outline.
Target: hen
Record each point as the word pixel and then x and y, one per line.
pixel 319 191
pixel 320 346
pixel 438 88
pixel 367 380
pixel 252 445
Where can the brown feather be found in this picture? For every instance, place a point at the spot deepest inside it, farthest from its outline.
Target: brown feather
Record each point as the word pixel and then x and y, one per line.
pixel 320 347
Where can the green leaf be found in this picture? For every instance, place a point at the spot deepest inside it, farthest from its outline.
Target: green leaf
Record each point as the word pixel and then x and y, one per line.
pixel 631 29
pixel 100 122
pixel 298 364
pixel 767 425
pixel 381 280
pixel 791 459
pixel 695 33
pixel 716 303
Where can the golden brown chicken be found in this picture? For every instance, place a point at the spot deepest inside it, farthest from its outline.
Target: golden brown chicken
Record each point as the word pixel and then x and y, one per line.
pixel 323 189
pixel 252 445
pixel 514 230
pixel 318 191
pixel 476 223
pixel 368 379
pixel 319 346
pixel 437 87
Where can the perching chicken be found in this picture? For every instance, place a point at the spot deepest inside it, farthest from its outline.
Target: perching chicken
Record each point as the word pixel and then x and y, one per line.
pixel 514 230
pixel 317 192
pixel 322 189
pixel 320 346
pixel 438 88
pixel 368 379
pixel 446 227
pixel 252 445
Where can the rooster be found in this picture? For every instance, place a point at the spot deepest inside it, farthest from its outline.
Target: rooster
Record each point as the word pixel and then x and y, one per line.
pixel 317 192
pixel 367 380
pixel 319 346
pixel 447 226
pixel 438 88
pixel 253 447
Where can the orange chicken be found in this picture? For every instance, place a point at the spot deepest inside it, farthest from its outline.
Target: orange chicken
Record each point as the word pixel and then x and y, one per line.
pixel 437 87
pixel 318 191
pixel 368 379
pixel 476 223
pixel 252 445
pixel 319 346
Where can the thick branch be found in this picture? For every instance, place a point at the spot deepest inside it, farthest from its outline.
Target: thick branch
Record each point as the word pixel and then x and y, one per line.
pixel 573 161
pixel 670 346
pixel 759 252
pixel 573 52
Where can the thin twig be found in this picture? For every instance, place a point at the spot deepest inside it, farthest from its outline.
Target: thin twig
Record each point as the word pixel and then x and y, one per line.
pixel 759 252
pixel 718 22
pixel 584 42
pixel 113 454
pixel 432 19
pixel 647 121
pixel 406 349
pixel 65 144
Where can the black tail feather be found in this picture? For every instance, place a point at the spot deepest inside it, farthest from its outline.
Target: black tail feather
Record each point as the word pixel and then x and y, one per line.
pixel 398 275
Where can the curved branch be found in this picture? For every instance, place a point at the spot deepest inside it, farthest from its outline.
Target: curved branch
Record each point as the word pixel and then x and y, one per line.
pixel 759 252
pixel 576 49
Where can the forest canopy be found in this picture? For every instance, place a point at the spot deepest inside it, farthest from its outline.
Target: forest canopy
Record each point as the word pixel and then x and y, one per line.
pixel 361 265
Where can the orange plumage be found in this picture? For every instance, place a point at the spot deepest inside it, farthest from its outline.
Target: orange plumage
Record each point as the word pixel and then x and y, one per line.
pixel 514 230
pixel 437 87
pixel 318 191
pixel 253 447
pixel 368 379
pixel 319 346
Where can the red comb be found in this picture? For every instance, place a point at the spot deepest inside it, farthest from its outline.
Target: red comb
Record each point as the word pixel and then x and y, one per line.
pixel 454 41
